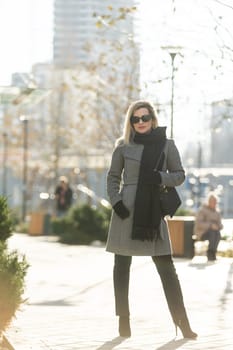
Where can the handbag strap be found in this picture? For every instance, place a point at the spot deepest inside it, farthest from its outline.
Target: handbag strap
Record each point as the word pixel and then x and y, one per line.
pixel 157 163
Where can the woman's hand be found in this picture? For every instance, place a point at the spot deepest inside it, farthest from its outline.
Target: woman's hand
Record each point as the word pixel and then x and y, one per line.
pixel 121 210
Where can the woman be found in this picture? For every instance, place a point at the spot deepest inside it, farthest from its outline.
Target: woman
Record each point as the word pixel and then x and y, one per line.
pixel 137 226
pixel 208 225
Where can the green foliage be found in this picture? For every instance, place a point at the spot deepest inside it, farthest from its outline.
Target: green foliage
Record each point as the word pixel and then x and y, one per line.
pixel 22 227
pixel 227 253
pixel 83 225
pixel 61 225
pixel 13 269
pixel 6 222
pixel 184 212
pixel 15 216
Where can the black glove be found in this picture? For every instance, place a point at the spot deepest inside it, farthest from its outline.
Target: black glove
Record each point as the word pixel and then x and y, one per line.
pixel 153 178
pixel 121 210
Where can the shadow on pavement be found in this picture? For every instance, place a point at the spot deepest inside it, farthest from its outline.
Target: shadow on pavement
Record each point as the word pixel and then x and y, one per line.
pixel 59 302
pixel 199 266
pixel 200 262
pixel 228 287
pixel 173 344
pixel 111 344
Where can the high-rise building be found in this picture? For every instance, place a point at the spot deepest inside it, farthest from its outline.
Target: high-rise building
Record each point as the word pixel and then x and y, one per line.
pixel 222 133
pixel 80 28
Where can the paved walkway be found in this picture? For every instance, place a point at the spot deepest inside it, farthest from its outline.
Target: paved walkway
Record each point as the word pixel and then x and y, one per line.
pixel 71 306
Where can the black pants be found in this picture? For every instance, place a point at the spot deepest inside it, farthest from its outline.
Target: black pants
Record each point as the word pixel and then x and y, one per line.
pixel 214 238
pixel 169 279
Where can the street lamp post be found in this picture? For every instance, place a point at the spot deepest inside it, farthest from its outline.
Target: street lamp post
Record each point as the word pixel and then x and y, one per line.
pixel 4 162
pixel 26 96
pixel 24 119
pixel 173 51
pixel 172 55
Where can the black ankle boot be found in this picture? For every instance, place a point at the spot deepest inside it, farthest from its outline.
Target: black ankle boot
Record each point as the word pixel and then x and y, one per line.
pixel 124 327
pixel 185 328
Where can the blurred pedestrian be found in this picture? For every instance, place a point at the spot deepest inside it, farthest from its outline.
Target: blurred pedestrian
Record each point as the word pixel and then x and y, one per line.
pixel 63 196
pixel 208 224
pixel 137 225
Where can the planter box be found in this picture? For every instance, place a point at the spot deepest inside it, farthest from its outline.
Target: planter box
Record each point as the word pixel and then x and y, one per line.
pixel 181 232
pixel 39 223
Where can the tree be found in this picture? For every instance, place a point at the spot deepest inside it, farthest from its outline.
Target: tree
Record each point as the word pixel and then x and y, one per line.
pixel 85 111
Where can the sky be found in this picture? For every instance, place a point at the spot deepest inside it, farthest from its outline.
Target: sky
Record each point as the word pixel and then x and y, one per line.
pixel 25 35
pixel 26 30
pixel 201 75
pixel 189 24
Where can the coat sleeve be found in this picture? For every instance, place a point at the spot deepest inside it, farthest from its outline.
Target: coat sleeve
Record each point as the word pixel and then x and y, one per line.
pixel 114 176
pixel 174 174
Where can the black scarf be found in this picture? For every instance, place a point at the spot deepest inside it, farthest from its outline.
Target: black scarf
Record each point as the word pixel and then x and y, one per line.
pixel 147 212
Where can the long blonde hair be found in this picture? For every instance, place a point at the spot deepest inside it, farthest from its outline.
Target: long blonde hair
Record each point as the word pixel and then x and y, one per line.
pixel 128 131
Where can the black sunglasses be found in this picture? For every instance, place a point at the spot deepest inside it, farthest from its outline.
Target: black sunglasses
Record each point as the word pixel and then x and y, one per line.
pixel 143 118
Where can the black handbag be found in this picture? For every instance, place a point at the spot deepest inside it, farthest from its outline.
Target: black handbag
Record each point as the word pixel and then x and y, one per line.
pixel 169 197
pixel 169 200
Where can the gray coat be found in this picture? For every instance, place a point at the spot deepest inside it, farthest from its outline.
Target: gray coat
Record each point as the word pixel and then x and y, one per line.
pixel 122 184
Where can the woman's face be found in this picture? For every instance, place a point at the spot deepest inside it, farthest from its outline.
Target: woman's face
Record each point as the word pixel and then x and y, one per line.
pixel 142 127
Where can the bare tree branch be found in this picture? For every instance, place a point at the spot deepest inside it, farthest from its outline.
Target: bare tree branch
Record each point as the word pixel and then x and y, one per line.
pixel 223 4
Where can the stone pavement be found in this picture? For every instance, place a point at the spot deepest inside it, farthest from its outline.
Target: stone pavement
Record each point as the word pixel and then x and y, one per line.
pixel 70 302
